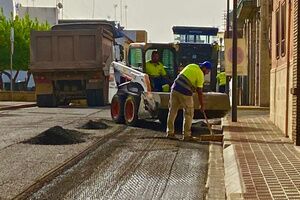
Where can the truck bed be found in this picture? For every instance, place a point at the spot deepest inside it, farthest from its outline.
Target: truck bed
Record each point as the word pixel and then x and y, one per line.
pixel 63 50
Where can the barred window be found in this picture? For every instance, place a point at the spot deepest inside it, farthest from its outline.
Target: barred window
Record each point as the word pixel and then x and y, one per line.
pixel 277 33
pixel 283 28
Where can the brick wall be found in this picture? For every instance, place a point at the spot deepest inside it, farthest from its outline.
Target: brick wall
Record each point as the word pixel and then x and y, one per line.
pixel 296 75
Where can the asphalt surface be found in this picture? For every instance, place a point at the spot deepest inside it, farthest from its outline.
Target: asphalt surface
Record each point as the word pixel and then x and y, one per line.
pixel 138 163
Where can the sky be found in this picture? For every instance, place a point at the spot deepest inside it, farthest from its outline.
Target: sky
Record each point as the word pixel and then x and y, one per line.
pixel 157 17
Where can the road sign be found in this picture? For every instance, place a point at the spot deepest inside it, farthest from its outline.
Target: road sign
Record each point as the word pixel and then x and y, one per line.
pixel 242 57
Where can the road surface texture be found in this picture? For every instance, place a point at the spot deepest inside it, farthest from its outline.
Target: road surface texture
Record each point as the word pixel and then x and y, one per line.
pixel 130 163
pixel 22 164
pixel 138 163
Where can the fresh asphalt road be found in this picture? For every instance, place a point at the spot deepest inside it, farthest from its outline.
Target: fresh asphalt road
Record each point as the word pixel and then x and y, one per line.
pixel 137 163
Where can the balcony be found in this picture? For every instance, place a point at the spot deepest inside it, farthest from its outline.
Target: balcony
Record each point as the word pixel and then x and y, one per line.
pixel 246 8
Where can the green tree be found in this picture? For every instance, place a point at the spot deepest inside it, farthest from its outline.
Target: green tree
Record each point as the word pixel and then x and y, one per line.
pixel 22 28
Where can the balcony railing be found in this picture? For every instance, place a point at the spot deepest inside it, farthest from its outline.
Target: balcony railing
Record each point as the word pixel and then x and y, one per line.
pixel 246 8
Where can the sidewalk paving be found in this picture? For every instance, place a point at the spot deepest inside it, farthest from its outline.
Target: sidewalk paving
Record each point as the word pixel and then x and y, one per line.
pixel 260 162
pixel 10 105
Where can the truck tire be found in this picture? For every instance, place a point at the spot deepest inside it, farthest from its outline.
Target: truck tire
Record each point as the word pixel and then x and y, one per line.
pixel 46 100
pixel 95 98
pixel 117 108
pixel 163 118
pixel 131 110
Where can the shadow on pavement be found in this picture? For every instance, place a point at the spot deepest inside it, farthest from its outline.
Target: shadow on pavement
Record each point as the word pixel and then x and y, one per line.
pixel 241 129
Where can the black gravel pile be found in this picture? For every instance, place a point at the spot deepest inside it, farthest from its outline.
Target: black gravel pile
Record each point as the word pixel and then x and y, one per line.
pixel 57 136
pixel 91 124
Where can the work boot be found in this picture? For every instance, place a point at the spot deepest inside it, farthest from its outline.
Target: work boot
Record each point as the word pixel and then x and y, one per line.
pixel 187 138
pixel 171 136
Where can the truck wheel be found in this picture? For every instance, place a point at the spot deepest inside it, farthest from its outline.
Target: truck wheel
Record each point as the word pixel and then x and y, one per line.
pixel 94 98
pixel 131 111
pixel 46 100
pixel 117 108
pixel 163 118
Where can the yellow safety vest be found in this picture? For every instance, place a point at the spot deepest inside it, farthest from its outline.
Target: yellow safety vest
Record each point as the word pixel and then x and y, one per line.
pixel 155 69
pixel 221 77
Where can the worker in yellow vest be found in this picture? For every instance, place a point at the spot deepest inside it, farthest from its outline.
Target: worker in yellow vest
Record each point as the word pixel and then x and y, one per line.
pixel 157 74
pixel 221 79
pixel 189 80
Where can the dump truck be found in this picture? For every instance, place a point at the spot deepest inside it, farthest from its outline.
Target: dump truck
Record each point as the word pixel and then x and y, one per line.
pixel 198 44
pixel 135 98
pixel 71 61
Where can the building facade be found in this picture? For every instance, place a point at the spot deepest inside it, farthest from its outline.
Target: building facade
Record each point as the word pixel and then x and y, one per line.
pixel 281 99
pixel 42 14
pixel 285 73
pixel 254 19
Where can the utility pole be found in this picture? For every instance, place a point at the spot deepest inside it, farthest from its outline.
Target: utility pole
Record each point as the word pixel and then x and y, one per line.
pixel 227 36
pixel 115 7
pixel 93 15
pixel 126 15
pixel 12 39
pixel 121 11
pixel 234 63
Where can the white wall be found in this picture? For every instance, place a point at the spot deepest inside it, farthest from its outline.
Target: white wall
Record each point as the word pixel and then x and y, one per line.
pixel 8 7
pixel 43 14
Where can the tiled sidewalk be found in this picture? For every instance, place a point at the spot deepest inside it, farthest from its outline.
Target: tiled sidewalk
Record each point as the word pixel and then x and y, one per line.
pixel 268 163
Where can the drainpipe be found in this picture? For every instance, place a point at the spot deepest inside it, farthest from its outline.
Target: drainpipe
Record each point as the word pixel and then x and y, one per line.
pixel 288 71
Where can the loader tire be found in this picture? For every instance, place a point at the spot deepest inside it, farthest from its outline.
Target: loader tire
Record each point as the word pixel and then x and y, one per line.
pixel 131 110
pixel 117 108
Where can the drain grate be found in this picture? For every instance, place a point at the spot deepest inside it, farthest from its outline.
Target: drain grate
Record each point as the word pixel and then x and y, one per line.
pixel 57 136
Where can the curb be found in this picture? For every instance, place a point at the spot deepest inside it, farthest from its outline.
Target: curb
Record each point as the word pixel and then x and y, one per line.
pixel 233 182
pixel 14 107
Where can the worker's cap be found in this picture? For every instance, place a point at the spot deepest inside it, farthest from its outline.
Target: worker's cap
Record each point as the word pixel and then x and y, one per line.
pixel 206 64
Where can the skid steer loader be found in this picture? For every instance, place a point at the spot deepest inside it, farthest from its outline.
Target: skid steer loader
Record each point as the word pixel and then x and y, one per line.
pixel 135 99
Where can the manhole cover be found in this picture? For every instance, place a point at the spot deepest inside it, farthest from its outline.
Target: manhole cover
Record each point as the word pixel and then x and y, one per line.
pixel 91 124
pixel 57 136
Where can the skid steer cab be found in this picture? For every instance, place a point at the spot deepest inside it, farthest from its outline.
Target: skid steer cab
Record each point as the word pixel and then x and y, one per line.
pixel 136 96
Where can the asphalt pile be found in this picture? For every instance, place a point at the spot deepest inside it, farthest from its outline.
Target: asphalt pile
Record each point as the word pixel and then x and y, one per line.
pixel 57 136
pixel 91 124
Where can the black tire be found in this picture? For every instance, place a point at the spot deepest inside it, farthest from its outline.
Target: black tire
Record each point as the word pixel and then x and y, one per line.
pixel 163 118
pixel 117 108
pixel 46 100
pixel 131 110
pixel 95 98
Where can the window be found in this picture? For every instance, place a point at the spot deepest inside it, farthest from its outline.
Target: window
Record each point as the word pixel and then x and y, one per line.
pixel 136 59
pixel 277 33
pixel 168 61
pixel 190 38
pixel 166 58
pixel 283 28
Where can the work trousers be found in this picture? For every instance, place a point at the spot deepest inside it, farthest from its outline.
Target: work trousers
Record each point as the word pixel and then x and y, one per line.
pixel 178 100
